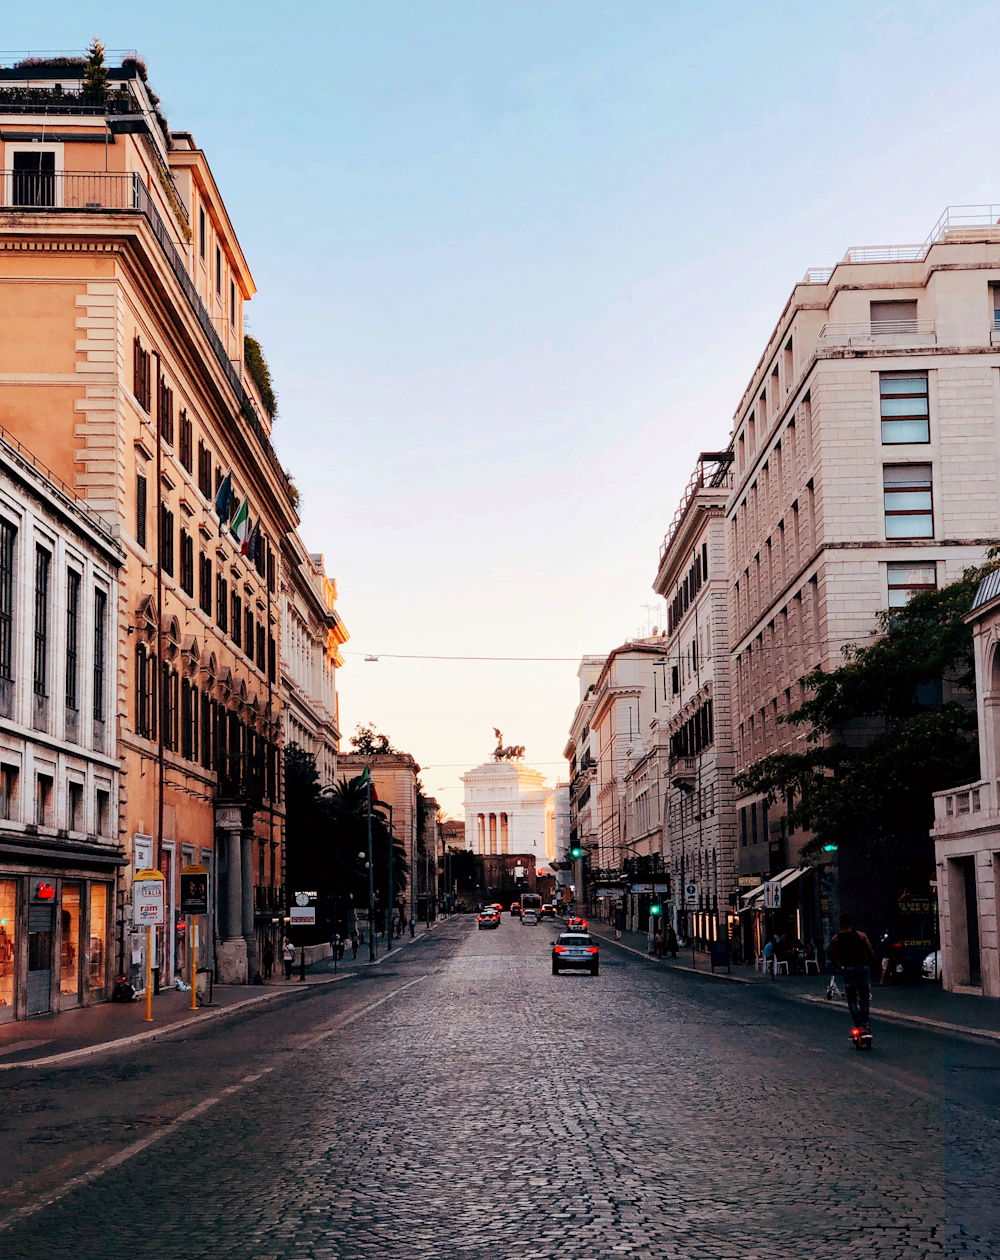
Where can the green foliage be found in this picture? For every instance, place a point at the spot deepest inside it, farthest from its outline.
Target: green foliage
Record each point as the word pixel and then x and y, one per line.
pixel 253 357
pixel 95 72
pixel 367 741
pixel 885 730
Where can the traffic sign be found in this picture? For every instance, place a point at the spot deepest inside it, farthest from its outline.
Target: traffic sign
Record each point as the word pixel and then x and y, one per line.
pixel 772 894
pixel 147 898
pixel 691 896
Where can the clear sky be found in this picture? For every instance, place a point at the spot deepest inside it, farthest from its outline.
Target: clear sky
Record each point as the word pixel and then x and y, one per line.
pixel 515 263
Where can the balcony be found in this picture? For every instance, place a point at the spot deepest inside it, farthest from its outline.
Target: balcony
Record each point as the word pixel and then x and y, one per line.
pixel 28 192
pixel 866 335
pixel 967 808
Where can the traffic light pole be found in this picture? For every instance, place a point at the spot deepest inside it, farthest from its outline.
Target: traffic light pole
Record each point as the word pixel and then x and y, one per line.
pixel 371 876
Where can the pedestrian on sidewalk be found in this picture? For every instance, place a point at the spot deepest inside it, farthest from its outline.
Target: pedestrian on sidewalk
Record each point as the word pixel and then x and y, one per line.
pixel 341 946
pixel 659 943
pixel 355 942
pixel 288 957
pixel 671 941
pixel 335 945
pixel 267 959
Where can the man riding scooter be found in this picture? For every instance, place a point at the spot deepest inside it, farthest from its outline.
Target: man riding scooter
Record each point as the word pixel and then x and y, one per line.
pixel 852 952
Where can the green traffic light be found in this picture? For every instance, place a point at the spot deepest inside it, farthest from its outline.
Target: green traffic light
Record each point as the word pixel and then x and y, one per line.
pixel 654 910
pixel 576 853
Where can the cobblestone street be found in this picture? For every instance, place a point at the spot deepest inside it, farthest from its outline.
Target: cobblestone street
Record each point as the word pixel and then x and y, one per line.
pixel 459 1100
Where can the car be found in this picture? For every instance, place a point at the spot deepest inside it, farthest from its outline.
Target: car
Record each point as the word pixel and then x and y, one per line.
pixel 931 968
pixel 529 917
pixel 576 923
pixel 577 951
pixel 488 920
pixel 548 912
pixel 515 907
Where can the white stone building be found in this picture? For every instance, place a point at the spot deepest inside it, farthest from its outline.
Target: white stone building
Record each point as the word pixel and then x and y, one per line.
pixel 508 809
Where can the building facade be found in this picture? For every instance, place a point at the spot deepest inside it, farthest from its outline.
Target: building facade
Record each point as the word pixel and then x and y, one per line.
pixel 583 776
pixel 509 810
pixel 693 758
pixel 865 468
pixel 122 294
pixel 61 847
pixel 395 778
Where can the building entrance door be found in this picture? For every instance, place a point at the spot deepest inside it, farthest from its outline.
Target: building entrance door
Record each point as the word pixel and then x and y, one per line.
pixel 39 959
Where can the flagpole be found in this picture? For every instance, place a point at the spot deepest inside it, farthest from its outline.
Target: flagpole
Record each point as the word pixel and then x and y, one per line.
pixel 371 874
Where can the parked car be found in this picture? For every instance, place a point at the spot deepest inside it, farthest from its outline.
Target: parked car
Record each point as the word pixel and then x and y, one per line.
pixel 530 917
pixel 577 951
pixel 931 967
pixel 489 919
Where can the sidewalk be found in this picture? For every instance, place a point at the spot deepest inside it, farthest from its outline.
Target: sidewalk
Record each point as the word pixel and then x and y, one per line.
pixel 921 1006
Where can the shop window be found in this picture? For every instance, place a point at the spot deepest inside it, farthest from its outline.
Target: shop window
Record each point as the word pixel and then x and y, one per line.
pixel 43 800
pixel 69 961
pixel 903 404
pixel 8 792
pixel 907 580
pixel 74 806
pixel 103 812
pixel 8 946
pixel 98 939
pixel 908 501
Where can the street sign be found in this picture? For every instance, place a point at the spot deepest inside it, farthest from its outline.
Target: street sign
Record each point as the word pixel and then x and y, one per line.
pixel 147 898
pixel 691 896
pixel 642 888
pixel 772 894
pixel 661 888
pixel 194 890
pixel 303 916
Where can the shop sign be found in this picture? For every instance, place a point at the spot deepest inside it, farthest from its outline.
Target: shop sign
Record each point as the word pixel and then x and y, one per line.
pixel 661 888
pixel 642 888
pixel 147 898
pixel 42 890
pixel 303 916
pixel 194 890
pixel 751 881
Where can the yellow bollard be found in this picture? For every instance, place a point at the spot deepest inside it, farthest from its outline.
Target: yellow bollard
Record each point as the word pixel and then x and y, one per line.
pixel 193 946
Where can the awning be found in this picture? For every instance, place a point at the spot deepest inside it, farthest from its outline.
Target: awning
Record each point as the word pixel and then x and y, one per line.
pixel 752 899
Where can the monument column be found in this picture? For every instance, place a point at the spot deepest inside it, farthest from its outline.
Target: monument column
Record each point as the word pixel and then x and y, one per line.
pixel 231 951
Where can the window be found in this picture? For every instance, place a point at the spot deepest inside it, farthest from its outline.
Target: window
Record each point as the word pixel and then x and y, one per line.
pixel 893 317
pixel 7 534
pixel 74 807
pixel 907 580
pixel 237 621
pixel 141 375
pixel 903 406
pixel 204 470
pixel 165 413
pixel 189 721
pixel 8 792
pixel 218 270
pixel 205 585
pixel 103 812
pixel 34 179
pixel 261 647
pixel 42 561
pixel 222 603
pixel 169 708
pixel 145 692
pixel 908 506
pixel 140 510
pixel 201 231
pixel 100 639
pixel 232 303
pixel 72 639
pixel 248 638
pixel 272 659
pixel 166 540
pixel 43 800
pixel 187 563
pixel 270 567
pixel 186 441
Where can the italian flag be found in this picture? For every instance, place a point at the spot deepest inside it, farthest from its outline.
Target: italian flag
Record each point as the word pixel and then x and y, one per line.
pixel 240 523
pixel 368 783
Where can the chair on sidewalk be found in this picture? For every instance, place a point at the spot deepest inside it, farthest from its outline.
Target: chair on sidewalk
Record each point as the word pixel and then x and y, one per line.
pixel 812 962
pixel 780 963
pixel 759 963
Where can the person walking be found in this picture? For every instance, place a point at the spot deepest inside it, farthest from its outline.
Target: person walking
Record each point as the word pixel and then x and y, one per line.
pixel 355 942
pixel 659 943
pixel 672 943
pixel 288 957
pixel 267 959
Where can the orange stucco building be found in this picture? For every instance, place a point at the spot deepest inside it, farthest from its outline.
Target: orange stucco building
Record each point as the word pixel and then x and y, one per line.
pixel 122 291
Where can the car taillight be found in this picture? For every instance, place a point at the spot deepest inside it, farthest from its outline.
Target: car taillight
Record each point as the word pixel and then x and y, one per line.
pixel 559 949
pixel 592 949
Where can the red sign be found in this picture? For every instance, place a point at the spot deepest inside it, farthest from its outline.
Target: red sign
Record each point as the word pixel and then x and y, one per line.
pixel 45 892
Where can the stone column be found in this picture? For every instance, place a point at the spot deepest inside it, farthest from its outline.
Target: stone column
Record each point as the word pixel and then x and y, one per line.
pixel 246 914
pixel 232 951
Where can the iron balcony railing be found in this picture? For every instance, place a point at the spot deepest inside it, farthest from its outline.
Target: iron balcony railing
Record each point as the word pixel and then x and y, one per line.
pixel 106 191
pixel 874 330
pixel 21 99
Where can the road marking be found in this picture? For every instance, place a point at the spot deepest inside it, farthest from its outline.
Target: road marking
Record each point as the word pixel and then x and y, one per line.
pixel 113 1161
pixel 349 1019
pixel 123 1042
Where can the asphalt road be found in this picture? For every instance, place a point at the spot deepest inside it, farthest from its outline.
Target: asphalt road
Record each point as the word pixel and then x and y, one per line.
pixel 460 1101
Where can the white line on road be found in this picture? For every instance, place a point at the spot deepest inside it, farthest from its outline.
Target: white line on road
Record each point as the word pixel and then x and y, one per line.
pixel 113 1161
pixel 349 1019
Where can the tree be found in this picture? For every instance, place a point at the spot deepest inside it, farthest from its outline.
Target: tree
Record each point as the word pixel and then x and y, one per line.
pixel 893 724
pixel 349 808
pixel 369 743
pixel 95 72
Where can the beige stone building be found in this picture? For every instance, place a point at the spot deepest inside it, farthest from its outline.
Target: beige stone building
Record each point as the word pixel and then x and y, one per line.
pixel 583 773
pixel 865 454
pixel 395 779
pixel 684 783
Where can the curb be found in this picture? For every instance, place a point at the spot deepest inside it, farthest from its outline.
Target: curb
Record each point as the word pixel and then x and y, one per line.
pixel 691 971
pixel 921 1021
pixel 121 1043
